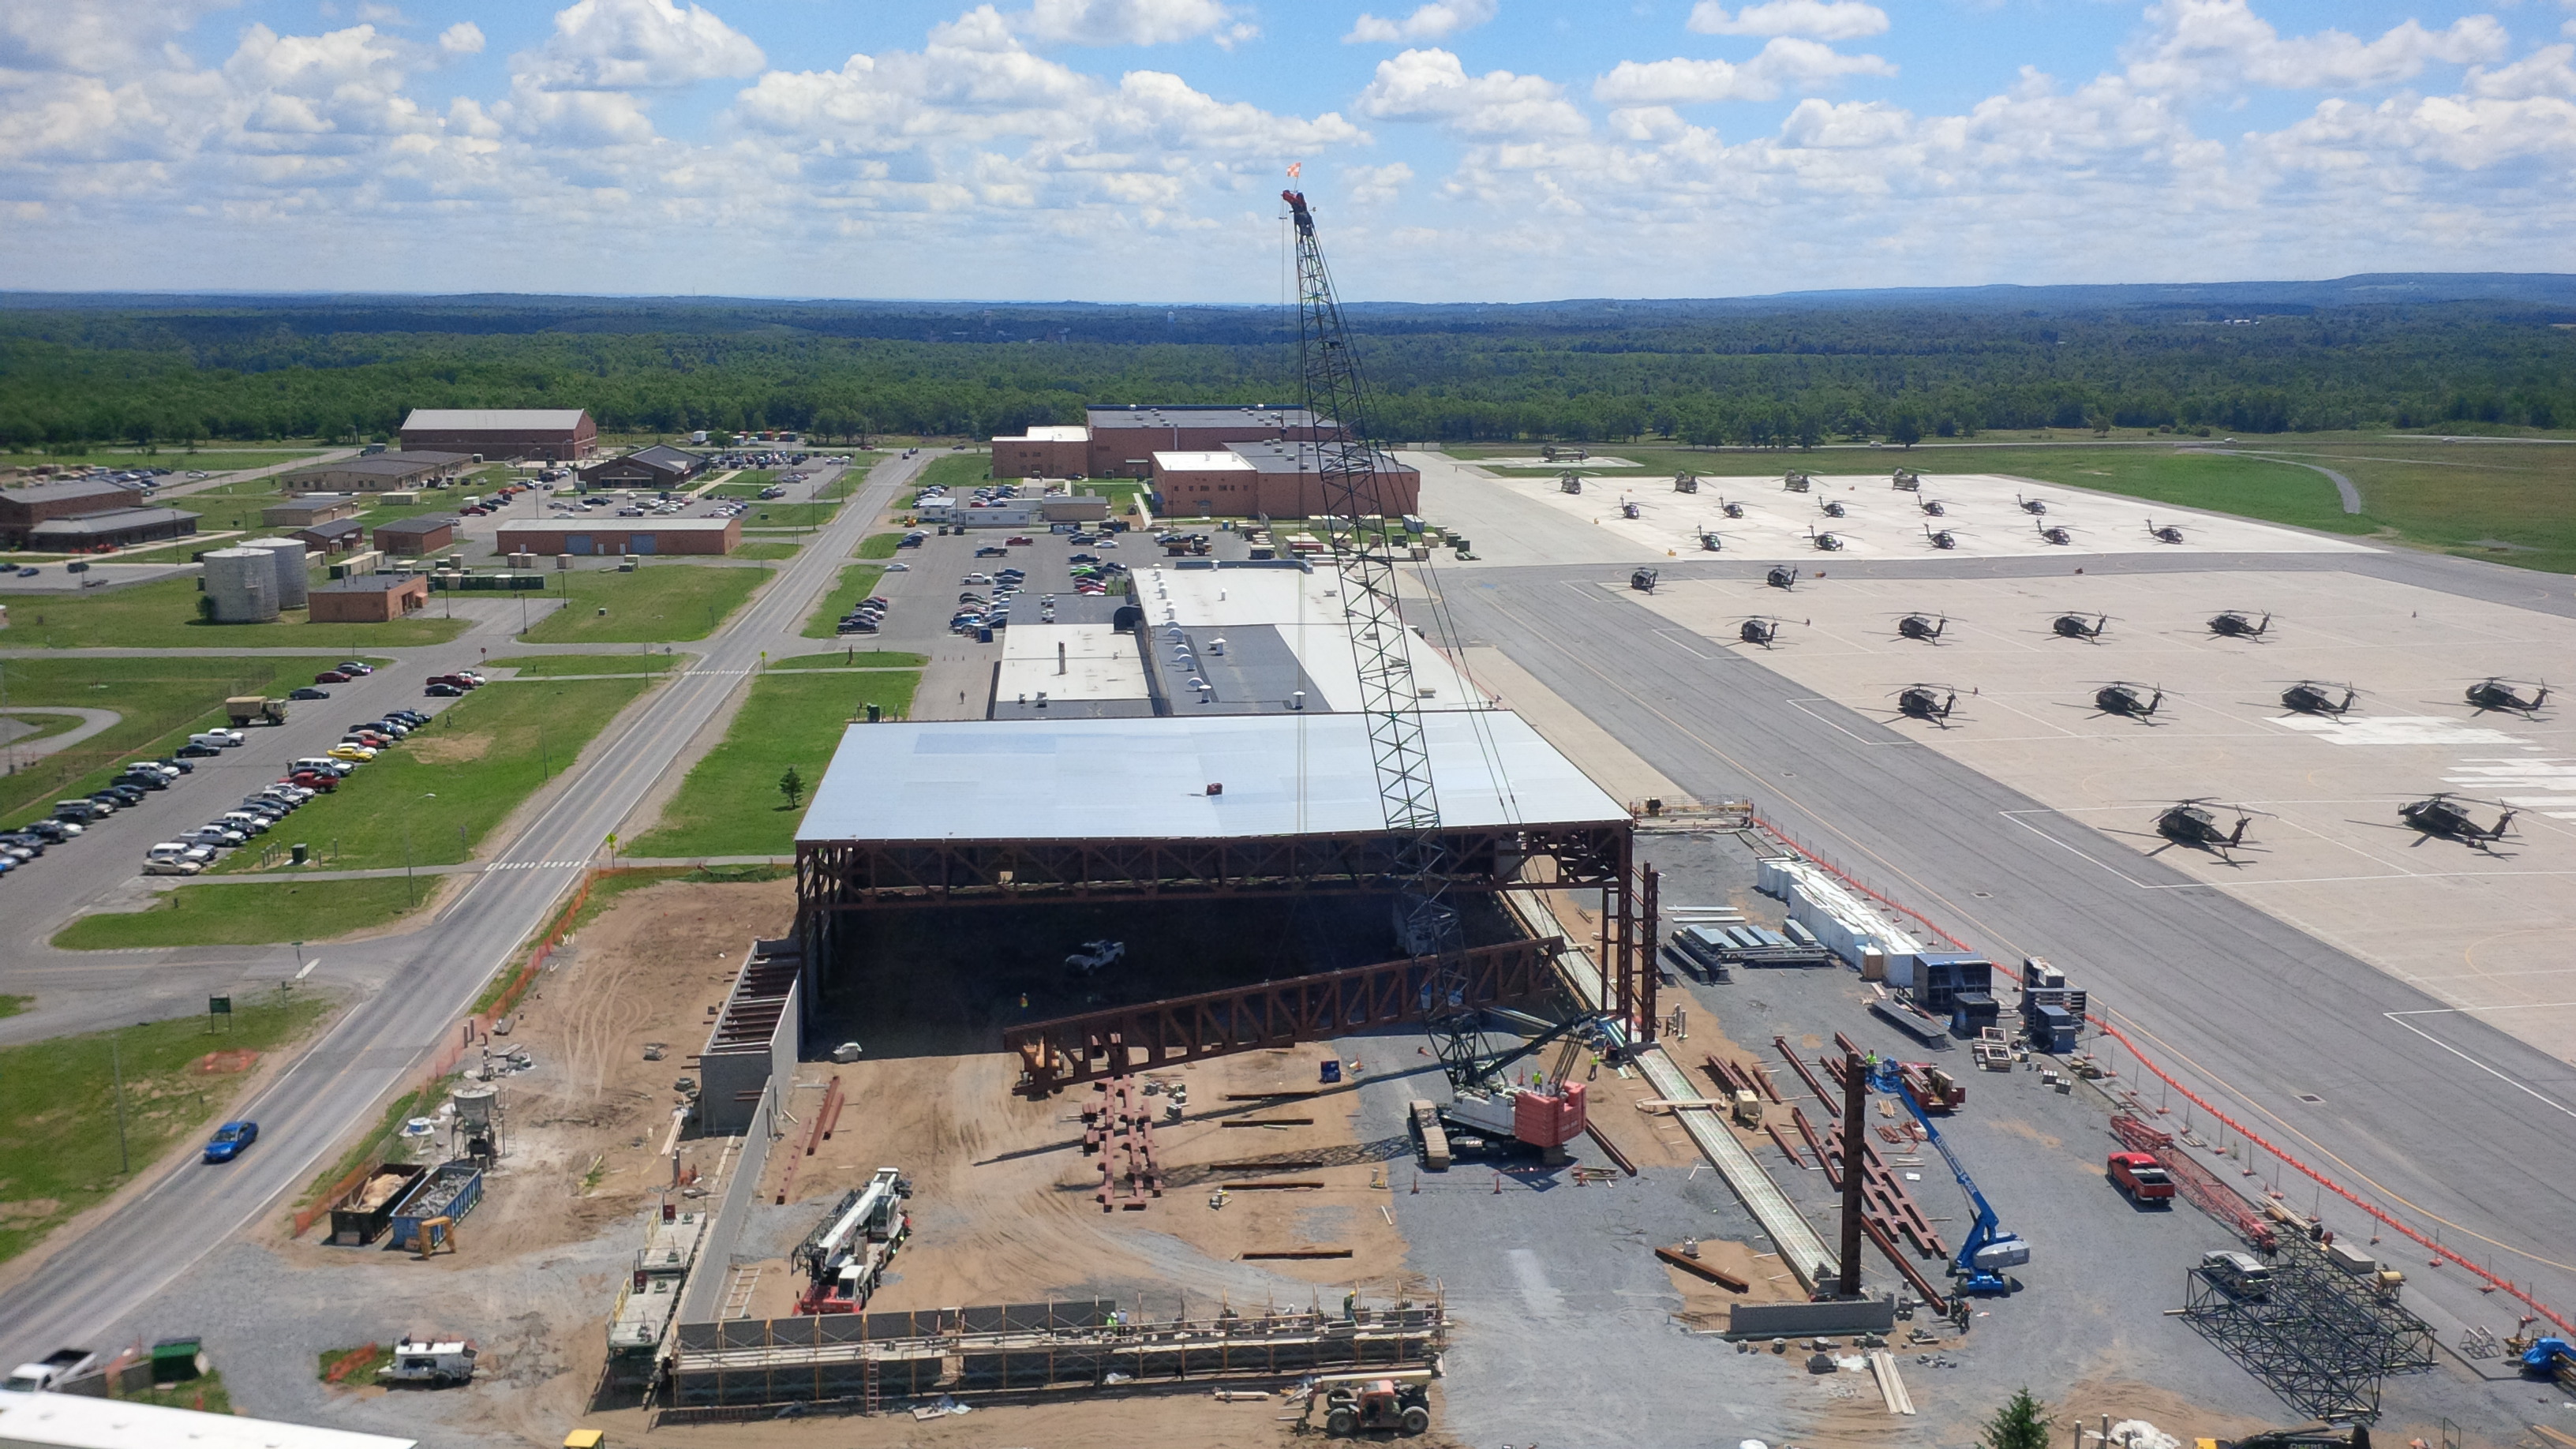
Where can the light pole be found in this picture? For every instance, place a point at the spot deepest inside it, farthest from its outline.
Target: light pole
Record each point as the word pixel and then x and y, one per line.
pixel 116 1066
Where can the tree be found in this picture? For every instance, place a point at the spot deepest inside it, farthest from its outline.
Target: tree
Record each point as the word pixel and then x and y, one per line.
pixel 792 785
pixel 1907 431
pixel 2022 1423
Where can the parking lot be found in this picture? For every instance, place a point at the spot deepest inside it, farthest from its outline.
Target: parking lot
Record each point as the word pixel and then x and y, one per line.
pixel 2476 924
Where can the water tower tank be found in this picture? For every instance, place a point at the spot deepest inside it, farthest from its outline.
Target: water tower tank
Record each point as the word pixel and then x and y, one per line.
pixel 287 554
pixel 474 1107
pixel 243 584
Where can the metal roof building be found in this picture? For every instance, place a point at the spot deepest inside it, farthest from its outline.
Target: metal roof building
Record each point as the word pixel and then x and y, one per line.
pixel 76 1421
pixel 559 435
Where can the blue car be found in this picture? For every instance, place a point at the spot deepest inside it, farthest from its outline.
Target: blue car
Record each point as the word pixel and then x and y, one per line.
pixel 230 1140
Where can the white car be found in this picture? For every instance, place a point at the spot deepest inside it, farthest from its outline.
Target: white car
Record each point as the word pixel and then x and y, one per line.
pixel 214 835
pixel 171 866
pixel 898 568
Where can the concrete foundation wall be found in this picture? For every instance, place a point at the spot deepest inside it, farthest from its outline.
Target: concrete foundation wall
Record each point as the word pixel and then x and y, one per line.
pixel 1792 1320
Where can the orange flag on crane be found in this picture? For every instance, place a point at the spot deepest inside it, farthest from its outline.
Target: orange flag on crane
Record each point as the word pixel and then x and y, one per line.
pixel 1295 169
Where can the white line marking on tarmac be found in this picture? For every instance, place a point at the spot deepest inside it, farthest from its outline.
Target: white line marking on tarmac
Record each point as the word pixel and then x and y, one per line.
pixel 2400 1018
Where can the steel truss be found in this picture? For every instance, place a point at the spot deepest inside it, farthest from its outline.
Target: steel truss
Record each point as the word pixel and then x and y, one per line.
pixel 2320 1337
pixel 1155 1034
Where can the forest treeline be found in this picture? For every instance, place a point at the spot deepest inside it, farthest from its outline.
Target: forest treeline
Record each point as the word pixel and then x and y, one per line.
pixel 217 370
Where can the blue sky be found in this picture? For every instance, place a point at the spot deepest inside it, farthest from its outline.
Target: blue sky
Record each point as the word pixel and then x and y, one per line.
pixel 1131 150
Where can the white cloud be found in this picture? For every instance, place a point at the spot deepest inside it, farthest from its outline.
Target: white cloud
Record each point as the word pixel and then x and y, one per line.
pixel 463 38
pixel 93 35
pixel 1431 85
pixel 2544 72
pixel 1784 64
pixel 1370 185
pixel 1128 22
pixel 2217 44
pixel 1823 19
pixel 601 45
pixel 1435 21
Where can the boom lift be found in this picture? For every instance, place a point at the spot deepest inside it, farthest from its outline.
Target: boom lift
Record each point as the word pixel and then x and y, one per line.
pixel 849 1252
pixel 1989 1248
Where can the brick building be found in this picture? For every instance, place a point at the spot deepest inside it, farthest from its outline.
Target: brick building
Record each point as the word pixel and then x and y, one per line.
pixel 1120 442
pixel 1280 479
pixel 1043 452
pixel 622 536
pixel 413 537
pixel 377 473
pixel 338 535
pixel 23 508
pixel 554 435
pixel 657 467
pixel 367 598
pixel 308 509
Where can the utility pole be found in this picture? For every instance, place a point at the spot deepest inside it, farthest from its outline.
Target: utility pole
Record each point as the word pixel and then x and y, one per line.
pixel 1855 1099
pixel 116 1066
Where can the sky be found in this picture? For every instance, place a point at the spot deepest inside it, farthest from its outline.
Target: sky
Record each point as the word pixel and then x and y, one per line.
pixel 1133 150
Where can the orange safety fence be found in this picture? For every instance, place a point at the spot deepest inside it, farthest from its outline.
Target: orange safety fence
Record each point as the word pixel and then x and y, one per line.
pixel 2441 1253
pixel 468 1032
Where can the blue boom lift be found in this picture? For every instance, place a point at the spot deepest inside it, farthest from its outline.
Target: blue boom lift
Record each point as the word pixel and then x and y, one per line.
pixel 1988 1249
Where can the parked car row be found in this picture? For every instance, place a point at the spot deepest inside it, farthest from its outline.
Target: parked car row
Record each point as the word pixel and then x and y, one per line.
pixel 449 686
pixel 194 850
pixel 866 617
pixel 977 612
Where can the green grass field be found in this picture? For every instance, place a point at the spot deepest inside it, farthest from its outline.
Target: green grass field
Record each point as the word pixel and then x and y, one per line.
pixel 768 550
pixel 248 915
pixel 659 602
pixel 956 472
pixel 856 583
pixel 730 804
pixel 542 666
pixel 854 659
pixel 40 726
pixel 878 545
pixel 745 484
pixel 159 703
pixel 479 759
pixel 163 615
pixel 58 1105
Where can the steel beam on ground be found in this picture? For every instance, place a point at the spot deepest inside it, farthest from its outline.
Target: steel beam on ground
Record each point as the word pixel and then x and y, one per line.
pixel 1156 1034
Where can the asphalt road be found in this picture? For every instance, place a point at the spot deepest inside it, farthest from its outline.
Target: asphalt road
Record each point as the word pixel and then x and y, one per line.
pixel 99 1287
pixel 2454 1124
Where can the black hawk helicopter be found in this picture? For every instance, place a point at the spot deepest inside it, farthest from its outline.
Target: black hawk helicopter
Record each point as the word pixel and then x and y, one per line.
pixel 1915 626
pixel 1731 510
pixel 2441 815
pixel 1929 702
pixel 1825 542
pixel 1643 581
pixel 2234 625
pixel 1941 537
pixel 2135 701
pixel 1762 629
pixel 1933 507
pixel 2310 697
pixel 2072 626
pixel 1628 509
pixel 1833 507
pixel 1709 542
pixel 2193 823
pixel 2031 506
pixel 1782 576
pixel 2506 695
pixel 2166 534
pixel 2056 533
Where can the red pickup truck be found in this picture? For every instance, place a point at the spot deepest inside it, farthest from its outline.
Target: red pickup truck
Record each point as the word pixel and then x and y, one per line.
pixel 2136 1174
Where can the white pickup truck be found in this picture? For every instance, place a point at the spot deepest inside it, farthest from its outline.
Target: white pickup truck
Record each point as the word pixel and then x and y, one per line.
pixel 49 1374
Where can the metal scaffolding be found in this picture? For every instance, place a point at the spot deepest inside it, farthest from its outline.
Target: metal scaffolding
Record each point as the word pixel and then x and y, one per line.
pixel 2320 1337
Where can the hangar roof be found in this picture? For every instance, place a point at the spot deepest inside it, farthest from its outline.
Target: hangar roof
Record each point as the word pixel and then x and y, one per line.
pixel 1148 779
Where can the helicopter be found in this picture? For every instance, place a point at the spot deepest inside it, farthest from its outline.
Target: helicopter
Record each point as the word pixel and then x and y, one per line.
pixel 1833 507
pixel 2166 534
pixel 2056 533
pixel 2506 694
pixel 1731 510
pixel 1915 626
pixel 1796 482
pixel 1930 702
pixel 1709 542
pixel 1827 542
pixel 2121 697
pixel 1941 538
pixel 1906 481
pixel 1761 629
pixel 2032 506
pixel 1685 483
pixel 1933 507
pixel 1782 576
pixel 2310 697
pixel 2192 823
pixel 2234 625
pixel 2072 626
pixel 2440 814
pixel 1629 509
pixel 1643 581
pixel 1569 483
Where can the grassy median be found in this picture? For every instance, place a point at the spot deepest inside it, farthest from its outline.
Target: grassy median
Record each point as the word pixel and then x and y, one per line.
pixel 250 914
pixel 59 1139
pixel 857 582
pixel 541 666
pixel 658 603
pixel 163 615
pixel 731 804
pixel 854 658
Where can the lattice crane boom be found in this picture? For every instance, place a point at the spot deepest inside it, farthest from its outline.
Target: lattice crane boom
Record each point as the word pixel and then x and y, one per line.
pixel 1348 465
